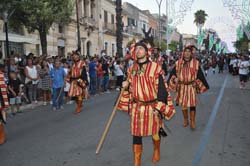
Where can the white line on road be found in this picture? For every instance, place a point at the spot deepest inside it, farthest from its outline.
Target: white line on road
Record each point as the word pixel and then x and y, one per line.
pixel 207 131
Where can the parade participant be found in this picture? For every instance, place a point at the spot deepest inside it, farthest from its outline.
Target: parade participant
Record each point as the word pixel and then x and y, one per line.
pixel 206 66
pixel 187 79
pixel 78 80
pixel 3 105
pixel 221 64
pixel 214 63
pixel 147 101
pixel 156 56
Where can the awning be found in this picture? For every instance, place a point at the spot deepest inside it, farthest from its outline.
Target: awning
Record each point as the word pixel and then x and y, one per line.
pixel 18 39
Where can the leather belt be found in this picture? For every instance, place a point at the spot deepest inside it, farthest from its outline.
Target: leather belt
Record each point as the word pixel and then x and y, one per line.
pixel 186 83
pixel 150 102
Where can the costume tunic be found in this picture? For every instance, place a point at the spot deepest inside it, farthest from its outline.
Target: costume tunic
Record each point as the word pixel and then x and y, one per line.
pixel 146 97
pixel 78 79
pixel 191 81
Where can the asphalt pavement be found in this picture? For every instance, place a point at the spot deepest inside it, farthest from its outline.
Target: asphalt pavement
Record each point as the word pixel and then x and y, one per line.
pixel 42 137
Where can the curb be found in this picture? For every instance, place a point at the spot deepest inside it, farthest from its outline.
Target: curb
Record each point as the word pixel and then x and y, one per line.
pixel 26 107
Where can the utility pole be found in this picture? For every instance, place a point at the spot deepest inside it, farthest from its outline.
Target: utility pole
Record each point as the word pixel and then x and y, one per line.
pixel 168 15
pixel 7 37
pixel 78 27
pixel 159 22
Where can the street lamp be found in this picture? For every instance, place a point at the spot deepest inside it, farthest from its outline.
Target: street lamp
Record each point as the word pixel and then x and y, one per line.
pixel 159 21
pixel 6 17
pixel 78 27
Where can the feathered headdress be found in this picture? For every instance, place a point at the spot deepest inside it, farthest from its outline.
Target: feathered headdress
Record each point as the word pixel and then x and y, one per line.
pixel 147 42
pixel 77 51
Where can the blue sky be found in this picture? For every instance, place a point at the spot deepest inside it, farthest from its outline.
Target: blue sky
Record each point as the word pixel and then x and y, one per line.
pixel 219 17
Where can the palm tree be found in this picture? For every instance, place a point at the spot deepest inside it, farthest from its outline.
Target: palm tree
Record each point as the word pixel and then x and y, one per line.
pixel 119 29
pixel 200 19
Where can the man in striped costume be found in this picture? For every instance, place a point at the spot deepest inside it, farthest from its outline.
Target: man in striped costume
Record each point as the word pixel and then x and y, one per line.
pixel 3 105
pixel 187 80
pixel 147 101
pixel 156 56
pixel 78 80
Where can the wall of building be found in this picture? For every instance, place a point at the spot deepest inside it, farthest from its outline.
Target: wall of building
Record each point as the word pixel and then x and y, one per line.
pixel 95 33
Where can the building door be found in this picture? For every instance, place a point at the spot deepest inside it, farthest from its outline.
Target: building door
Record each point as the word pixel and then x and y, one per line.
pixel 89 45
pixel 61 51
pixel 113 49
pixel 106 47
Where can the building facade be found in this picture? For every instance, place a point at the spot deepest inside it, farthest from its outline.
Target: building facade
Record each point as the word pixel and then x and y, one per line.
pixel 97 20
pixel 189 39
pixel 153 23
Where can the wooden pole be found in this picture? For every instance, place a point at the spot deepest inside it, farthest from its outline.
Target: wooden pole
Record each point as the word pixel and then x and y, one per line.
pixel 109 123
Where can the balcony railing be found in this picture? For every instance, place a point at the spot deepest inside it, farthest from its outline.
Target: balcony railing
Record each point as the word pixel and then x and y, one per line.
pixel 88 21
pixel 109 27
pixel 132 30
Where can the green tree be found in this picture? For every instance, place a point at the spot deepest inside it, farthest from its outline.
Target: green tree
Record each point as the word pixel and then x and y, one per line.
pixel 200 19
pixel 40 15
pixel 241 45
pixel 173 45
pixel 163 45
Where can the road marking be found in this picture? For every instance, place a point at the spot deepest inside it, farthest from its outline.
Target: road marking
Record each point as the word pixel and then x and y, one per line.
pixel 207 131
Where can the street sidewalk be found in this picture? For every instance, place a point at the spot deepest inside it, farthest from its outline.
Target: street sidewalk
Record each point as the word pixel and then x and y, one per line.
pixel 25 107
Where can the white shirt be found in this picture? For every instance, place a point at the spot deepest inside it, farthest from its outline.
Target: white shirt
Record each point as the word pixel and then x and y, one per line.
pixel 231 62
pixel 243 67
pixel 235 63
pixel 50 66
pixel 118 70
pixel 32 73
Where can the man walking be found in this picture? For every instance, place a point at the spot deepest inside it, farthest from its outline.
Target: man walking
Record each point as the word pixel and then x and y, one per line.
pixel 78 80
pixel 187 79
pixel 148 99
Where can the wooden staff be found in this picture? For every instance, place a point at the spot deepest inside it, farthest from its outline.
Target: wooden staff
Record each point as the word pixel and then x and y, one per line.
pixel 109 123
pixel 59 95
pixel 150 39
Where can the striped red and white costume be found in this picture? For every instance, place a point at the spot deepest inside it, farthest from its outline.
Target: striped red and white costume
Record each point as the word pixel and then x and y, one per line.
pixel 191 82
pixel 159 60
pixel 141 100
pixel 4 98
pixel 78 84
pixel 3 105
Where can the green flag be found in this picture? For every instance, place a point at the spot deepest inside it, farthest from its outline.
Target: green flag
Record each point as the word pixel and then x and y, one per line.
pixel 218 47
pixel 239 33
pixel 211 41
pixel 200 38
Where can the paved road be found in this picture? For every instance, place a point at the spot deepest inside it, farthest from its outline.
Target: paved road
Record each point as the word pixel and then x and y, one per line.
pixel 41 137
